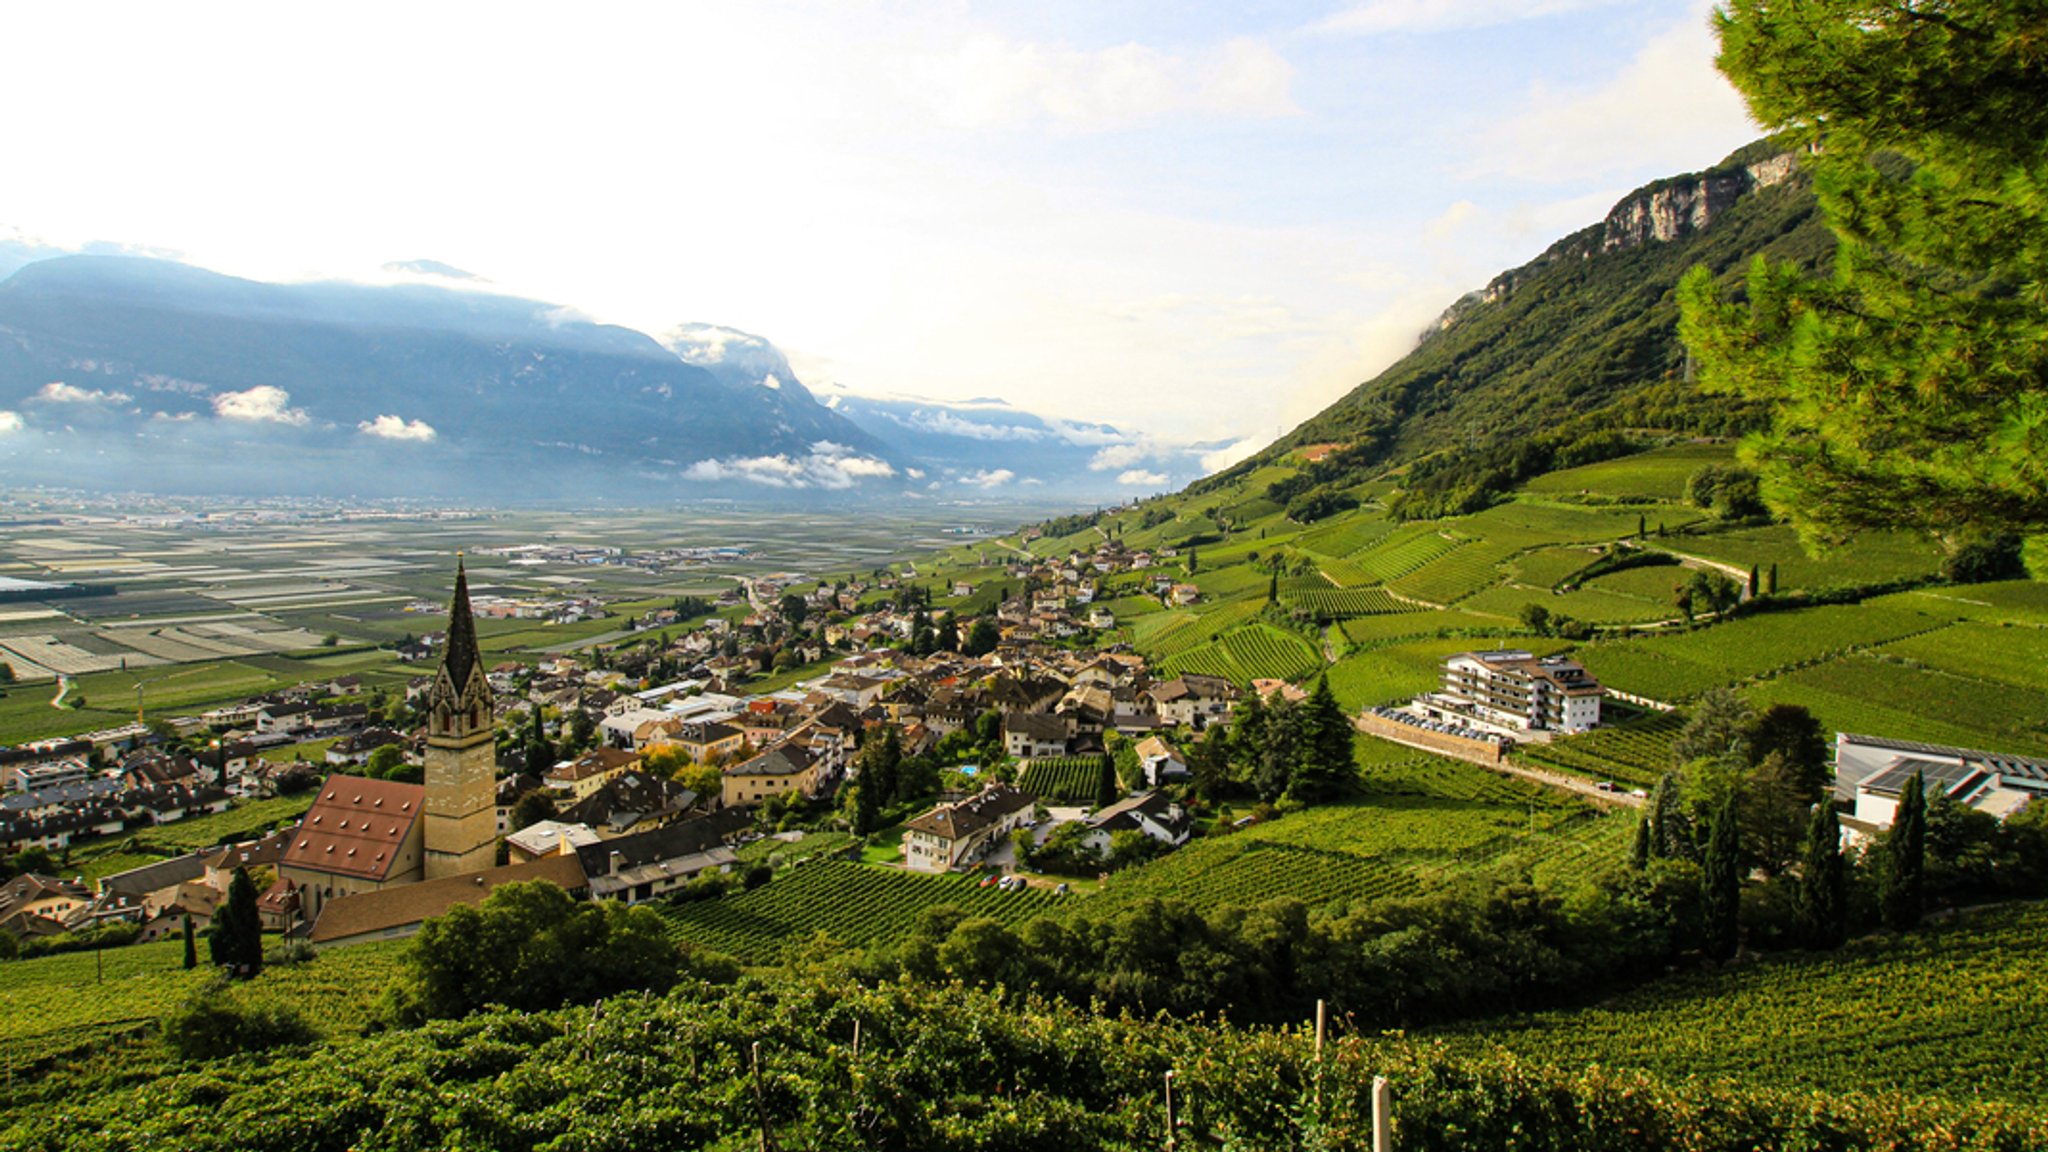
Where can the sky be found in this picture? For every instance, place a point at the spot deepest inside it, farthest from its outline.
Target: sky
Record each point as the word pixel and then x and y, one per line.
pixel 1200 222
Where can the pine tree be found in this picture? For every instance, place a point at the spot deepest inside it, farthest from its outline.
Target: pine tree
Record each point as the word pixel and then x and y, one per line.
pixel 1910 383
pixel 1904 859
pixel 1824 882
pixel 1325 760
pixel 1721 883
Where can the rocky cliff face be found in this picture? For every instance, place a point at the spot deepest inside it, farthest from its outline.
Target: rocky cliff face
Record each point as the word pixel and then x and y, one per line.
pixel 1687 205
pixel 1658 214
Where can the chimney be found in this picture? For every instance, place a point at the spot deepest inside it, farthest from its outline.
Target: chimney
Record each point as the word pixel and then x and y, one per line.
pixel 615 864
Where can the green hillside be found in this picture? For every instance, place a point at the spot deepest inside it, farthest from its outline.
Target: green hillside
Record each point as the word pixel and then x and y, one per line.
pixel 1558 362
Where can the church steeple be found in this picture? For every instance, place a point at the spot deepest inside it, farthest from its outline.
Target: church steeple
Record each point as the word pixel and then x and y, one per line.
pixel 460 655
pixel 461 760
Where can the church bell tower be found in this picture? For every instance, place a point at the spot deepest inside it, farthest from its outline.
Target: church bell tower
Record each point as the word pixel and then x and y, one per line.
pixel 461 760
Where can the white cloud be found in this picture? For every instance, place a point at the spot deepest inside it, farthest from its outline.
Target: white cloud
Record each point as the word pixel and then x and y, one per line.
pixel 10 422
pixel 397 428
pixel 58 392
pixel 1136 478
pixel 263 404
pixel 1667 108
pixel 945 423
pixel 988 478
pixel 1119 456
pixel 1229 454
pixel 995 82
pixel 827 465
pixel 1375 16
pixel 180 418
pixel 707 344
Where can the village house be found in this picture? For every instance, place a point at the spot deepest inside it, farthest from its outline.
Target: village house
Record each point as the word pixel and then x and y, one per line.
pixel 578 779
pixel 1193 701
pixel 1029 734
pixel 954 835
pixel 1152 813
pixel 786 768
pixel 1160 762
pixel 650 864
pixel 549 838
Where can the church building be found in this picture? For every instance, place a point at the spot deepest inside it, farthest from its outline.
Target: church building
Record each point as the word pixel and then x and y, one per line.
pixel 363 835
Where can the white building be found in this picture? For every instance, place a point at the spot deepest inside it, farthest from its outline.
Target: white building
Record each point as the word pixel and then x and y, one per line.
pixel 1510 688
pixel 1872 772
pixel 953 835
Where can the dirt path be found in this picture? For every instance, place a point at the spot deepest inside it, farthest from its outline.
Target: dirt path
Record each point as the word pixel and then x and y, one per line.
pixel 63 688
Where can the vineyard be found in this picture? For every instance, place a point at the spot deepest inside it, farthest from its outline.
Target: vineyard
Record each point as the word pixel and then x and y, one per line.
pixel 1327 603
pixel 1682 666
pixel 1455 576
pixel 57 1007
pixel 1427 820
pixel 1634 752
pixel 1868 695
pixel 1400 554
pixel 1956 1012
pixel 774 1063
pixel 1255 652
pixel 852 904
pixel 1063 779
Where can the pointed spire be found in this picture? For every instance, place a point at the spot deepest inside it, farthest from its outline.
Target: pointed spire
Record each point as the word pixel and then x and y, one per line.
pixel 460 656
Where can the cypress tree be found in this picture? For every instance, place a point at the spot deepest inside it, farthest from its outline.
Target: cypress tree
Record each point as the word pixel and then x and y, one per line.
pixel 1721 883
pixel 1901 879
pixel 1105 786
pixel 865 808
pixel 237 939
pixel 1639 850
pixel 191 945
pixel 1824 882
pixel 1771 580
pixel 1754 586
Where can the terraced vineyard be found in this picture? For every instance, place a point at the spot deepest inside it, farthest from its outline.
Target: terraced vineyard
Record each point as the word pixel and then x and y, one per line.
pixel 1956 1011
pixel 1402 553
pixel 1327 603
pixel 1252 653
pixel 1457 575
pixel 1346 536
pixel 853 904
pixel 1063 779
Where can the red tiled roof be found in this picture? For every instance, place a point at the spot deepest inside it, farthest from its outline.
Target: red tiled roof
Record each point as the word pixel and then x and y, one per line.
pixel 355 827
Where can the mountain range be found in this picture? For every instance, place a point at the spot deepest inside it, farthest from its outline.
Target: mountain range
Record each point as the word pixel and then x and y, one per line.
pixel 120 372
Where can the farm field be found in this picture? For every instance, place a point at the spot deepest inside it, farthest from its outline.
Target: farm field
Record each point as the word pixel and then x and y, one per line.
pixel 1953 1012
pixel 854 905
